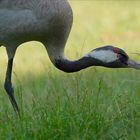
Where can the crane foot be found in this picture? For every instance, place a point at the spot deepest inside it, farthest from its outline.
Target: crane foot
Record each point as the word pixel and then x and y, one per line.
pixel 10 92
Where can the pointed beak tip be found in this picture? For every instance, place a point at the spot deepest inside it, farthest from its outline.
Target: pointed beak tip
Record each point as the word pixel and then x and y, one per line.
pixel 133 64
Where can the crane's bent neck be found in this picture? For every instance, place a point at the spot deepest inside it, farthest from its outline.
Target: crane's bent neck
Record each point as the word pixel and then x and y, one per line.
pixel 57 57
pixel 72 66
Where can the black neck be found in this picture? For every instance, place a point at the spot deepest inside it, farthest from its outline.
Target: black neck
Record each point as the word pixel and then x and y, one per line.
pixel 74 66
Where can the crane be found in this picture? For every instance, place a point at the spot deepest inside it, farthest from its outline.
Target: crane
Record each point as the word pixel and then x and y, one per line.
pixel 49 22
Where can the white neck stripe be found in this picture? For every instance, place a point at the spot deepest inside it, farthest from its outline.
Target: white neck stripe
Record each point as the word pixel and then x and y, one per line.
pixel 106 56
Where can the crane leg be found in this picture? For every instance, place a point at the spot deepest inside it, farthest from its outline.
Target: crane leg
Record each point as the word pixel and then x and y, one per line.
pixel 8 85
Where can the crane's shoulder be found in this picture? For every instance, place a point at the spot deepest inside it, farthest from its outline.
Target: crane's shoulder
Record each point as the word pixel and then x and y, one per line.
pixel 32 21
pixel 14 22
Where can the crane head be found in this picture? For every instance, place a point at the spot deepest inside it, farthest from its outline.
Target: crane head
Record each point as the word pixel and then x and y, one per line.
pixel 109 56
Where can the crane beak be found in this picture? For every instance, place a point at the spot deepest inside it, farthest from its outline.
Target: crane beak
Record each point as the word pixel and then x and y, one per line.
pixel 133 64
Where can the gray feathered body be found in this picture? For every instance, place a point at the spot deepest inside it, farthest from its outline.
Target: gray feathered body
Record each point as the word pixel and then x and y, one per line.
pixel 47 21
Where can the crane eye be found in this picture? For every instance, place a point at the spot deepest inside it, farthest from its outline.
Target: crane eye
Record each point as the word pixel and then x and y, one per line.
pixel 123 57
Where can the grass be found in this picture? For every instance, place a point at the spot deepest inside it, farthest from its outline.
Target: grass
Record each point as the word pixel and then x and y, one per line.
pixel 94 104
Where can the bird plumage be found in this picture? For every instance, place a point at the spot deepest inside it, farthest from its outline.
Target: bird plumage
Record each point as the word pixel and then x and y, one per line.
pixel 50 22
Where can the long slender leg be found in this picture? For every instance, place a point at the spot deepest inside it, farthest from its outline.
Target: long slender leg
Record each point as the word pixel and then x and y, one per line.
pixel 8 85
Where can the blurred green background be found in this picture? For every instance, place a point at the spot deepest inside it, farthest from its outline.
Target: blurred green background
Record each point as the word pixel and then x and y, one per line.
pixel 96 103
